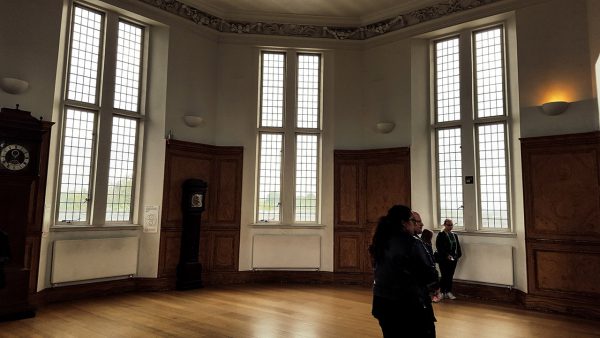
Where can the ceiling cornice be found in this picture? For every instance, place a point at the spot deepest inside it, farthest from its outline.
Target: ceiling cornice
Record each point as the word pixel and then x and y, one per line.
pixel 363 32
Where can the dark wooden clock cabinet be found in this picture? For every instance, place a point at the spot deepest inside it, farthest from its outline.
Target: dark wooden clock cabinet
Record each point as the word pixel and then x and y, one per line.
pixel 24 143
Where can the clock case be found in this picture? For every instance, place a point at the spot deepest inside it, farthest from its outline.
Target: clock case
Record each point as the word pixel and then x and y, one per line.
pixel 18 127
pixel 22 195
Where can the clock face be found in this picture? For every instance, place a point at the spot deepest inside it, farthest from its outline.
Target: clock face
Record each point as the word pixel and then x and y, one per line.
pixel 14 157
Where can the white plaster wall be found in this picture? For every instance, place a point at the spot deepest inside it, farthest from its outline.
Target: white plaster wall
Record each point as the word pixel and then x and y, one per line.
pixel 30 52
pixel 192 83
pixel 421 174
pixel 216 77
pixel 387 83
pixel 350 128
pixel 554 63
pixel 237 119
pixel 593 13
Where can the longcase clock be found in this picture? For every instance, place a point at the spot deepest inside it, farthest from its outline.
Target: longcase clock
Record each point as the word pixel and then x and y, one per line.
pixel 24 142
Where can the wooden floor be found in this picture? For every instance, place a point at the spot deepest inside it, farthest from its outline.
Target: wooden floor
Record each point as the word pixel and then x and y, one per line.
pixel 275 311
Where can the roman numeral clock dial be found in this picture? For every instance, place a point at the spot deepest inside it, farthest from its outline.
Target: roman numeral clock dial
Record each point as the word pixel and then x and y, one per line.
pixel 14 157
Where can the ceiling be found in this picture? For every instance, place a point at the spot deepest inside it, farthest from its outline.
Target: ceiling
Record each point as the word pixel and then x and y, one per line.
pixel 324 12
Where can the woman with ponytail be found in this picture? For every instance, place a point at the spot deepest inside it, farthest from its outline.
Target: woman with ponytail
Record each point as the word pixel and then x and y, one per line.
pixel 401 301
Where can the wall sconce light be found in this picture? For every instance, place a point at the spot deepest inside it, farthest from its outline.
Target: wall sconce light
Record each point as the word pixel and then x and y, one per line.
pixel 13 86
pixel 384 127
pixel 554 108
pixel 192 120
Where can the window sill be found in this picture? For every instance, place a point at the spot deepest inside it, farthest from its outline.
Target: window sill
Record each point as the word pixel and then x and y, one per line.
pixel 286 226
pixel 481 233
pixel 65 228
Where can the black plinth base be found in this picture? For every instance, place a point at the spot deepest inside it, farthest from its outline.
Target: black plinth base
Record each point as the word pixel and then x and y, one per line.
pixel 24 314
pixel 189 276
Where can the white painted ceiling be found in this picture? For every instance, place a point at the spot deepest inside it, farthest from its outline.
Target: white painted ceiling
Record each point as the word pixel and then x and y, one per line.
pixel 323 12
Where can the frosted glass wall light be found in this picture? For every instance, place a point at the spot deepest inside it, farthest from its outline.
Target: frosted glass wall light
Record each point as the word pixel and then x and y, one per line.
pixel 384 127
pixel 192 120
pixel 555 108
pixel 13 86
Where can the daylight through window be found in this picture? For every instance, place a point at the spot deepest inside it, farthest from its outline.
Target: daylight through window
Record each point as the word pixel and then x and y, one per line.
pixel 289 138
pixel 471 129
pixel 85 167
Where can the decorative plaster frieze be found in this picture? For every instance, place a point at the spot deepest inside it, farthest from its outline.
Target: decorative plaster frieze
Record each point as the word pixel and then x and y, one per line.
pixel 316 31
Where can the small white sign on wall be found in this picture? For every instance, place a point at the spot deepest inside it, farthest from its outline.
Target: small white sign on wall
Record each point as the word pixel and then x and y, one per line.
pixel 151 218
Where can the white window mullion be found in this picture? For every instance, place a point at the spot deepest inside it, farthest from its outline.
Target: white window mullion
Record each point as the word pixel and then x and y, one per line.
pixel 105 121
pixel 287 194
pixel 468 136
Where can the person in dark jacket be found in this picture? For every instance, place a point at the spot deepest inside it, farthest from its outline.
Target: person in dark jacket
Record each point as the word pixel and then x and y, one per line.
pixel 426 237
pixel 403 269
pixel 448 254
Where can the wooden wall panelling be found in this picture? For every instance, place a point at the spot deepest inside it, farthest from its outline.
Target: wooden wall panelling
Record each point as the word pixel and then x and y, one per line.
pixel 567 195
pixel 367 184
pixel 170 246
pixel 228 185
pixel 225 249
pixel 571 270
pixel 385 186
pixel 184 161
pixel 367 235
pixel 204 254
pixel 221 168
pixel 348 251
pixel 347 193
pixel 561 187
pixel 34 226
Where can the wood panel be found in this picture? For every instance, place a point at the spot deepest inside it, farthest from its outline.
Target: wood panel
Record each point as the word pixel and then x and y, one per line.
pixel 568 269
pixel 170 247
pixel 561 186
pixel 183 167
pixel 204 254
pixel 347 180
pixel 348 251
pixel 34 228
pixel 225 247
pixel 567 193
pixel 385 187
pixel 367 184
pixel 221 168
pixel 228 191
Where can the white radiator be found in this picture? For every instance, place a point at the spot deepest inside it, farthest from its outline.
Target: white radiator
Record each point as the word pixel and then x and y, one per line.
pixel 486 263
pixel 86 259
pixel 286 252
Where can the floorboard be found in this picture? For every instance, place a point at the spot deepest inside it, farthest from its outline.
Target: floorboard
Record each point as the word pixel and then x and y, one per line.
pixel 276 311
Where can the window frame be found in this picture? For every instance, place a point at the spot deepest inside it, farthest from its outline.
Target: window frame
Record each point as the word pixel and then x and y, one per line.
pixel 290 132
pixel 104 111
pixel 469 123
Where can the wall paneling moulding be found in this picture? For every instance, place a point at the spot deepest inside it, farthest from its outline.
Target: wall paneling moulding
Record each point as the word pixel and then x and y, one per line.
pixel 315 31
